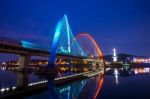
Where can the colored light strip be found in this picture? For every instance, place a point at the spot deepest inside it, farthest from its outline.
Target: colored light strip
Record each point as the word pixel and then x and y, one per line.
pixel 94 42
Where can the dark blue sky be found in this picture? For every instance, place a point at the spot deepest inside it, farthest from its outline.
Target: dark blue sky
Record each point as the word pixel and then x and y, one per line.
pixel 123 24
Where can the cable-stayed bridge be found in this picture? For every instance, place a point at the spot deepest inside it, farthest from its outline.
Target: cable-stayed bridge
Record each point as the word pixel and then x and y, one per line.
pixel 64 44
pixel 79 50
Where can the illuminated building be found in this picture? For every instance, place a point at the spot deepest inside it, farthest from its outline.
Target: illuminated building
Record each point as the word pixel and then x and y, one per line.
pixel 114 55
pixel 141 60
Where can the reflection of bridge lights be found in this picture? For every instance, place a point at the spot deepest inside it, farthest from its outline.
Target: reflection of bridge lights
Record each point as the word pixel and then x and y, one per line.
pixel 82 82
pixel 64 89
pixel 100 83
pixel 36 83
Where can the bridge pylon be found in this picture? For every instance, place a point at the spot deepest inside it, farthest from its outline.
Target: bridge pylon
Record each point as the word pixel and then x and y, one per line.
pixel 62 42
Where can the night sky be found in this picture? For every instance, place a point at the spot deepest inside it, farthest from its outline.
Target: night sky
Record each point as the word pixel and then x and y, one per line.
pixel 120 24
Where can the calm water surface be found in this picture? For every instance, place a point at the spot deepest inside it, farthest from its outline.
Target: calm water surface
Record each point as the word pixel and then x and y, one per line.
pixel 122 83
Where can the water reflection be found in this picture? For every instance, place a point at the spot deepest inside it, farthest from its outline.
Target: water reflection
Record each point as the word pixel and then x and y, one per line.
pixel 71 91
pixel 125 72
pixel 89 87
pixel 86 88
pixel 116 73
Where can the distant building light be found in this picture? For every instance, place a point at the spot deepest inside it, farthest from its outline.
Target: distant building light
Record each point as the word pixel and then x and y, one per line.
pixel 141 60
pixel 3 89
pixel 114 55
pixel 3 63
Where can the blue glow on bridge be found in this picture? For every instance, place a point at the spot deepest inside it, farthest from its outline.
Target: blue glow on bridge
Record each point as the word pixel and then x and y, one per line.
pixel 26 44
pixel 29 45
pixel 62 42
pixel 55 43
pixel 68 34
pixel 66 45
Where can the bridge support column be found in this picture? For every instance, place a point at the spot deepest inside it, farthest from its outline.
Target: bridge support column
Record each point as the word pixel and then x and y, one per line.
pixel 93 66
pixel 22 80
pixel 24 60
pixel 70 66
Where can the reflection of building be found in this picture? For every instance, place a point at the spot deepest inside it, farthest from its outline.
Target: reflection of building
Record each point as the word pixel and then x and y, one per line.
pixel 116 73
pixel 141 70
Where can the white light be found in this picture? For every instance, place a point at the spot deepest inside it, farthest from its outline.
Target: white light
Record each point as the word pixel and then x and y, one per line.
pixel 13 87
pixel 135 71
pixel 38 82
pixel 116 77
pixel 35 83
pixel 116 73
pixel 147 70
pixel 7 89
pixel 114 55
pixel 108 69
pixel 3 68
pixel 114 50
pixel 31 84
pixel 3 63
pixel 3 89
pixel 82 82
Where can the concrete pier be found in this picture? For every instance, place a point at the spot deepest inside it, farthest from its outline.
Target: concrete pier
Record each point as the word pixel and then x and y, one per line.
pixel 24 60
